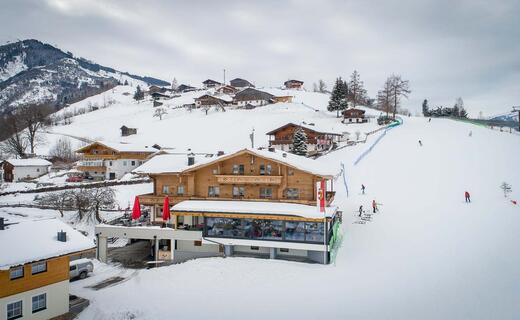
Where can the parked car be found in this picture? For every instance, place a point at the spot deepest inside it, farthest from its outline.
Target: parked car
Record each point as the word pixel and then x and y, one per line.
pixel 80 268
pixel 74 179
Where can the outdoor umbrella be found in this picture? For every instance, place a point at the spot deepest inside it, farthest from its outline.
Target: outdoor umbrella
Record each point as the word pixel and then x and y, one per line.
pixel 166 209
pixel 136 211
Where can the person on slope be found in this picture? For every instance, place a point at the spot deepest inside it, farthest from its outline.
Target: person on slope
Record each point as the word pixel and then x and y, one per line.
pixel 374 206
pixel 360 210
pixel 362 188
pixel 420 143
pixel 467 196
pixel 470 133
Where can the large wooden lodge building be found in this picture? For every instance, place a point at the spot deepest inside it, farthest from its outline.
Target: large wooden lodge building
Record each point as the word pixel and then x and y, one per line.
pixel 248 203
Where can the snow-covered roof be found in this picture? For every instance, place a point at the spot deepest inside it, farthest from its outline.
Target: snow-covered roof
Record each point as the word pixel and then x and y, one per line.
pixel 120 147
pixel 169 163
pixel 319 128
pixel 33 240
pixel 32 162
pixel 254 207
pixel 174 163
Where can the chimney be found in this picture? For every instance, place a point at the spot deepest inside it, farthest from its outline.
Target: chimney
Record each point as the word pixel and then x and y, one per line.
pixel 284 155
pixel 191 159
pixel 62 236
pixel 220 153
pixel 271 149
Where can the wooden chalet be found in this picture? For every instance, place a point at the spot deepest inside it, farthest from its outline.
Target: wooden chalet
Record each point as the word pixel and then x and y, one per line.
pixel 252 97
pixel 241 83
pixel 293 84
pixel 354 115
pixel 227 90
pixel 284 99
pixel 15 170
pixel 127 131
pixel 244 197
pixel 185 88
pixel 317 139
pixel 107 161
pixel 211 83
pixel 209 100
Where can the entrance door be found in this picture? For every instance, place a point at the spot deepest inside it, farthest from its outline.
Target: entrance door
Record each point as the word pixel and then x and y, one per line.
pixel 112 175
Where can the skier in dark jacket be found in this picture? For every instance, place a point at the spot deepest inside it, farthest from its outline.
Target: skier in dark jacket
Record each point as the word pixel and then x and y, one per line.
pixel 420 143
pixel 467 196
pixel 360 211
pixel 362 188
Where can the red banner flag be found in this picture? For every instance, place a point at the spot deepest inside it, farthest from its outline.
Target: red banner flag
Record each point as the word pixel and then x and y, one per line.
pixel 166 209
pixel 136 211
pixel 321 195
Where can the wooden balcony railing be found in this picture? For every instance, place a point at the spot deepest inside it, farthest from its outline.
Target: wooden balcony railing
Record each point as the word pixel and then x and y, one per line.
pixel 240 179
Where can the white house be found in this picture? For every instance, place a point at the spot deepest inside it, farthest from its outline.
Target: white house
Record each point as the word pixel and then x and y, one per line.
pixel 21 169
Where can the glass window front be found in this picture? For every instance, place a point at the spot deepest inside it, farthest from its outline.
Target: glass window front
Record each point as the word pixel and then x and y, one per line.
pixel 293 193
pixel 314 232
pixel 39 302
pixel 239 191
pixel 14 310
pixel 238 169
pixel 227 227
pixel 295 231
pixel 180 190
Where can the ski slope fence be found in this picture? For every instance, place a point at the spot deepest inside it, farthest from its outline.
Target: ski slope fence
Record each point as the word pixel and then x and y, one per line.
pixel 387 128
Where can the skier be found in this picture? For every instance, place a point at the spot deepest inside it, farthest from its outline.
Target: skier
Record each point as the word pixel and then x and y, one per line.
pixel 362 188
pixel 430 120
pixel 361 211
pixel 467 196
pixel 420 143
pixel 374 206
pixel 470 133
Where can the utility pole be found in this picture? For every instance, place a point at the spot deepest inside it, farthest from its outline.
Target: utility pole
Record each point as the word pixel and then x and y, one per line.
pixel 517 109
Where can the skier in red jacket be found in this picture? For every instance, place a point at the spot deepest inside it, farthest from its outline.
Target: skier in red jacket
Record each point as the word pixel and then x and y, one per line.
pixel 374 206
pixel 467 197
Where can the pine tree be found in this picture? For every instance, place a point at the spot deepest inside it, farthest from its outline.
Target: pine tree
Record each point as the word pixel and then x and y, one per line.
pixel 139 94
pixel 356 91
pixel 336 96
pixel 126 82
pixel 299 145
pixel 425 108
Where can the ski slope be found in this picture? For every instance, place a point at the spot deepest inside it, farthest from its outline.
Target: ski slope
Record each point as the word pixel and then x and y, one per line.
pixel 426 255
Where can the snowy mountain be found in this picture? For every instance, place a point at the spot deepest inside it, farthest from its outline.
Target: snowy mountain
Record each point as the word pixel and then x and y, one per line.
pixel 32 72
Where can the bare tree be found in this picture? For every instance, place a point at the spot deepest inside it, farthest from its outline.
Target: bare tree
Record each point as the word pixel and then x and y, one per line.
pixel 81 201
pixel 384 98
pixel 100 198
pixel 315 87
pixel 206 108
pixel 399 88
pixel 16 144
pixel 322 87
pixel 34 120
pixel 62 150
pixel 60 201
pixel 160 112
pixel 356 94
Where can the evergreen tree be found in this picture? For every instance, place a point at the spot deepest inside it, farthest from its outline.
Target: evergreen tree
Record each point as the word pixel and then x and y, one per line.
pixel 357 94
pixel 463 113
pixel 336 96
pixel 126 82
pixel 425 108
pixel 299 145
pixel 139 94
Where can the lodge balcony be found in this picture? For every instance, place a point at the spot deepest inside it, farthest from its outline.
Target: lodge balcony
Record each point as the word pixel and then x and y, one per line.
pixel 151 199
pixel 243 179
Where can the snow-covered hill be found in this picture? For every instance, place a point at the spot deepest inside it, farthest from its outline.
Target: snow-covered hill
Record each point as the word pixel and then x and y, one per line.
pixel 426 255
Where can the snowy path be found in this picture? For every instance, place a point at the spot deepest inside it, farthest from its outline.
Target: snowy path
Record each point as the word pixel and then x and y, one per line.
pixel 426 255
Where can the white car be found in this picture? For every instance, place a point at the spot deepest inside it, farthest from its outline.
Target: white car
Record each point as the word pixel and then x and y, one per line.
pixel 80 268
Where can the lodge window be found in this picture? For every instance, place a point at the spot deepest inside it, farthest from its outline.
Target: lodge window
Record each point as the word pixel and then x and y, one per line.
pixel 290 173
pixel 197 243
pixel 39 302
pixel 165 189
pixel 266 193
pixel 295 231
pixel 180 190
pixel 292 193
pixel 284 250
pixel 239 191
pixel 110 163
pixel 39 267
pixel 255 248
pixel 124 163
pixel 14 310
pixel 268 229
pixel 133 163
pixel 213 192
pixel 228 227
pixel 238 169
pixel 16 273
pixel 265 169
pixel 314 232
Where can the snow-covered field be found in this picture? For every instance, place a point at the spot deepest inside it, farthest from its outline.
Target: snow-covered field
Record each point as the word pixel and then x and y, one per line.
pixel 426 255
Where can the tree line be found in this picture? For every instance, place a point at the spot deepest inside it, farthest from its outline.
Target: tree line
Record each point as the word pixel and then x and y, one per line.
pixel 457 110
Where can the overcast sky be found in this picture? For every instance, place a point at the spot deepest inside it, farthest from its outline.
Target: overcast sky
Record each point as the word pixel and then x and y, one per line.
pixel 447 49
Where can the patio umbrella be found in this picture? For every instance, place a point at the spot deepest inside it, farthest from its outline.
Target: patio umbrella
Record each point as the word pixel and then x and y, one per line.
pixel 136 211
pixel 166 209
